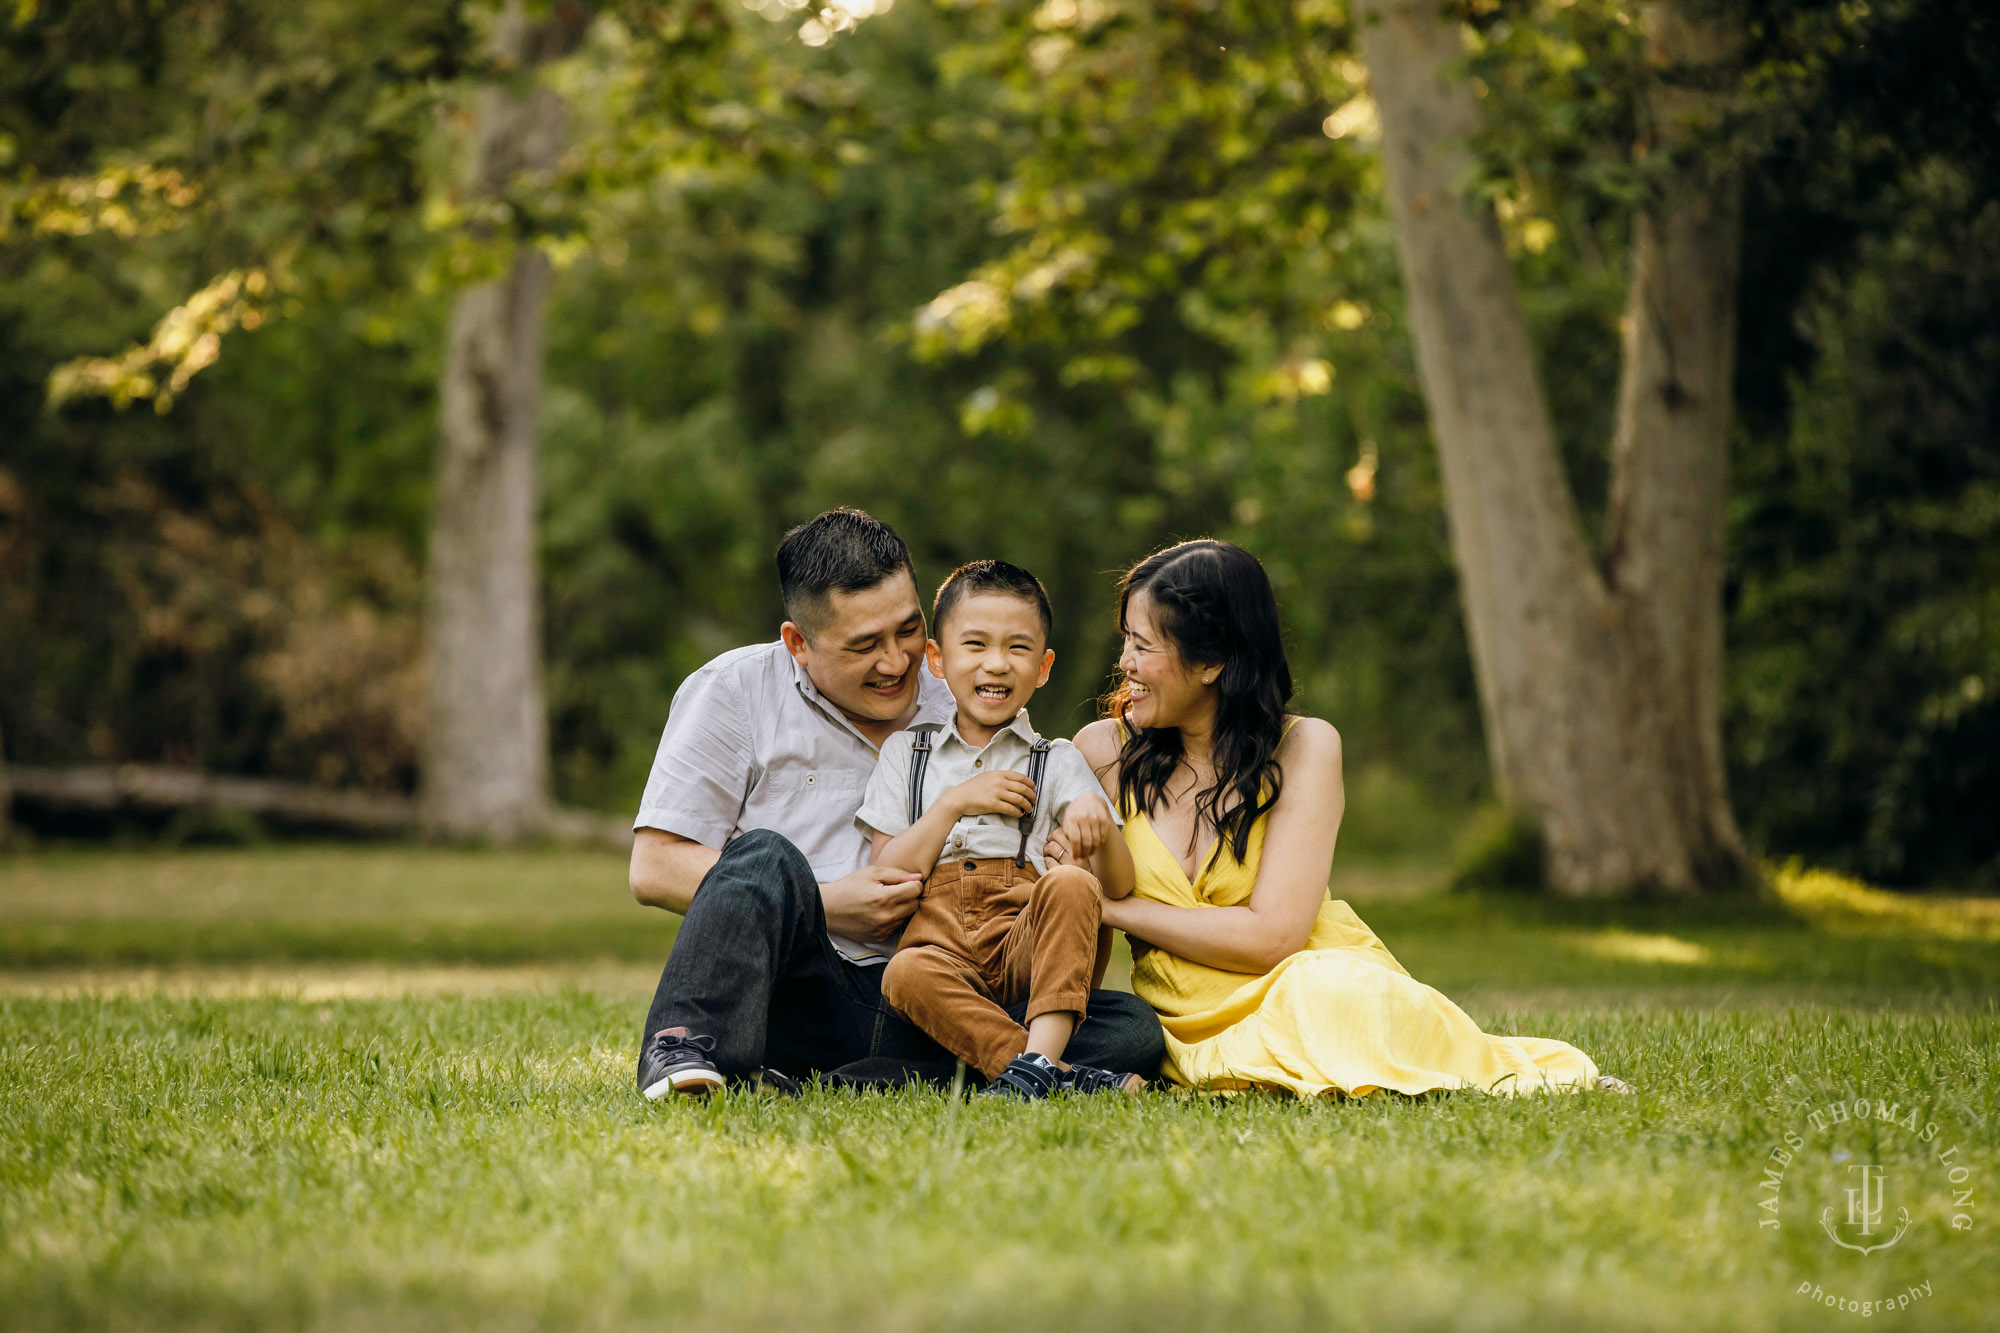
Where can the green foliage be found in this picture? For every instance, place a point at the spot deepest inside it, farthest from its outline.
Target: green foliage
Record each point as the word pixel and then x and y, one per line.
pixel 1864 708
pixel 1498 850
pixel 1059 282
pixel 223 586
pixel 1189 231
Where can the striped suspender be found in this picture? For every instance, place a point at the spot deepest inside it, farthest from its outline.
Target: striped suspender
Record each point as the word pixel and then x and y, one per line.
pixel 1038 759
pixel 920 757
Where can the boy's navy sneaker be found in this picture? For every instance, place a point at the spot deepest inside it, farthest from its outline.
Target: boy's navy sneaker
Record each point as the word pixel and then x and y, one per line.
pixel 1088 1078
pixel 676 1061
pixel 1028 1077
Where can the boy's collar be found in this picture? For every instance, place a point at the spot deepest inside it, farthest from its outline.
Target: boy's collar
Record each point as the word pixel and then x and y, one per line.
pixel 1020 726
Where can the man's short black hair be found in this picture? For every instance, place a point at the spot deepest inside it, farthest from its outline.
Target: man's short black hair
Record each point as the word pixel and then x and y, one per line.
pixel 843 550
pixel 991 576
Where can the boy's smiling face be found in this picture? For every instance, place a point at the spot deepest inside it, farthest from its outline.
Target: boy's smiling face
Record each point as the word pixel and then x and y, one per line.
pixel 991 652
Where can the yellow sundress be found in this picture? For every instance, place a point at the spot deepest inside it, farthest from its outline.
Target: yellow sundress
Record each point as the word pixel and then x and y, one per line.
pixel 1341 1015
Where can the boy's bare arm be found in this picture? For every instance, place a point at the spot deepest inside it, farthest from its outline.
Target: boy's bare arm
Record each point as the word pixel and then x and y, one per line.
pixel 918 847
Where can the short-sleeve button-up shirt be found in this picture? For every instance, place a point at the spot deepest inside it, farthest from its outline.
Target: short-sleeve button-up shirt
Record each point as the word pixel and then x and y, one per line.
pixel 750 743
pixel 886 806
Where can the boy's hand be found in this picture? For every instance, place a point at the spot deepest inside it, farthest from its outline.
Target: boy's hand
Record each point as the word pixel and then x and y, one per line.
pixel 1086 827
pixel 996 793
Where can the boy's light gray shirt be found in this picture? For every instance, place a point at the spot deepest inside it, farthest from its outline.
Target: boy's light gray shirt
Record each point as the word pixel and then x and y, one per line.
pixel 886 806
pixel 750 743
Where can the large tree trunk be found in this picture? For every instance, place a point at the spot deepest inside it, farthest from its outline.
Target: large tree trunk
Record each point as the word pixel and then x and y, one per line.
pixel 1599 676
pixel 486 743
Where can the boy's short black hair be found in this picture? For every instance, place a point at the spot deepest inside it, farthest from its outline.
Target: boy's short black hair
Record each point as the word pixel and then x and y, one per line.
pixel 991 576
pixel 843 550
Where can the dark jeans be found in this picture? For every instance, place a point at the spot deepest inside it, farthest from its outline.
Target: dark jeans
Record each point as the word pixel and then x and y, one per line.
pixel 753 968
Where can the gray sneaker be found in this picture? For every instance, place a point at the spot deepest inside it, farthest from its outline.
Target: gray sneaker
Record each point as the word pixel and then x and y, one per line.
pixel 676 1060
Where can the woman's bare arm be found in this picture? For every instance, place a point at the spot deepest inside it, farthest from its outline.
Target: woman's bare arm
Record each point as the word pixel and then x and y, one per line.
pixel 1291 877
pixel 1113 865
pixel 1099 745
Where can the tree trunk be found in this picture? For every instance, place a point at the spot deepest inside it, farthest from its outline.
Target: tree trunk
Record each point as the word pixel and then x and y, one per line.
pixel 486 743
pixel 1599 678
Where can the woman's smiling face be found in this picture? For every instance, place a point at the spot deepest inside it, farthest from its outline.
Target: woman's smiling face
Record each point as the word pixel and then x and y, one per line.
pixel 1163 689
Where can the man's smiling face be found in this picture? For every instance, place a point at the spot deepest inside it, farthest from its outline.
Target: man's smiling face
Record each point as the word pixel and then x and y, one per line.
pixel 864 657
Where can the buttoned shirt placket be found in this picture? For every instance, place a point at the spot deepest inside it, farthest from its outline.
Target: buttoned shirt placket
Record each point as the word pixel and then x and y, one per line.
pixel 1018 727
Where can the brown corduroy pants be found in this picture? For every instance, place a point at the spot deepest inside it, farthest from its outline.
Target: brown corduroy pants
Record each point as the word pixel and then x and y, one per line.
pixel 986 934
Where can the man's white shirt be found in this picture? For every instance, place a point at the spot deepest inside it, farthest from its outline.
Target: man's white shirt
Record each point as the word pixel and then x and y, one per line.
pixel 750 743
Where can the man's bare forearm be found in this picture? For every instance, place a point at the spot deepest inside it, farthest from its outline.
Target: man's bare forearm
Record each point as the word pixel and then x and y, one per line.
pixel 667 868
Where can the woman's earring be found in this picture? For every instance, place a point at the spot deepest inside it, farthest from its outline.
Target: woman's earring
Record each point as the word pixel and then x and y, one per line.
pixel 1209 679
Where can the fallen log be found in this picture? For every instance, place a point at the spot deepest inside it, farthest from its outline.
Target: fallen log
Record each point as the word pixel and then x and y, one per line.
pixel 154 789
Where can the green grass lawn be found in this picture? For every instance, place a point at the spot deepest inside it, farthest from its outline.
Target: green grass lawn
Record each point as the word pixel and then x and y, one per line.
pixel 339 1146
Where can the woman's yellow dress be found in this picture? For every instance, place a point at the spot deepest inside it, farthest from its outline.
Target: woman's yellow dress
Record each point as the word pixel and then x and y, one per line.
pixel 1341 1015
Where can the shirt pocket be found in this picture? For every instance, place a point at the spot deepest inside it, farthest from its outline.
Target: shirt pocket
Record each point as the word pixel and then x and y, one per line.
pixel 814 783
pixel 816 808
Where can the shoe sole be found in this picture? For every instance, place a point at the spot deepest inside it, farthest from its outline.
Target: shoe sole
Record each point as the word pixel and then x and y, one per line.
pixel 689 1082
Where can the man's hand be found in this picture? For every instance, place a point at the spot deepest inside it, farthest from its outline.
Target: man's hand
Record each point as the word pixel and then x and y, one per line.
pixel 872 903
pixel 1086 827
pixel 1000 792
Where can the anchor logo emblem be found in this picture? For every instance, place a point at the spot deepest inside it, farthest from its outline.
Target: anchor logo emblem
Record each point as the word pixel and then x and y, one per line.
pixel 1864 1214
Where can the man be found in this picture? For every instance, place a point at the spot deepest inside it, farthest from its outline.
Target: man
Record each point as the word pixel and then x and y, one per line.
pixel 747 826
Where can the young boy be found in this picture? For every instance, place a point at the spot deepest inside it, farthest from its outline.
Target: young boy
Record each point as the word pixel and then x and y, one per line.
pixel 974 807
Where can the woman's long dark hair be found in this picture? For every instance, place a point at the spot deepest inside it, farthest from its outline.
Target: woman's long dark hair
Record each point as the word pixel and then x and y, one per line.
pixel 1213 602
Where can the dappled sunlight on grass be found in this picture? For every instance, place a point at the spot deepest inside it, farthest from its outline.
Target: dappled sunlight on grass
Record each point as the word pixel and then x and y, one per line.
pixel 1633 947
pixel 1842 904
pixel 333 922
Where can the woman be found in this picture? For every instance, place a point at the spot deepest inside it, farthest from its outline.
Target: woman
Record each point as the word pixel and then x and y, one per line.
pixel 1232 807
